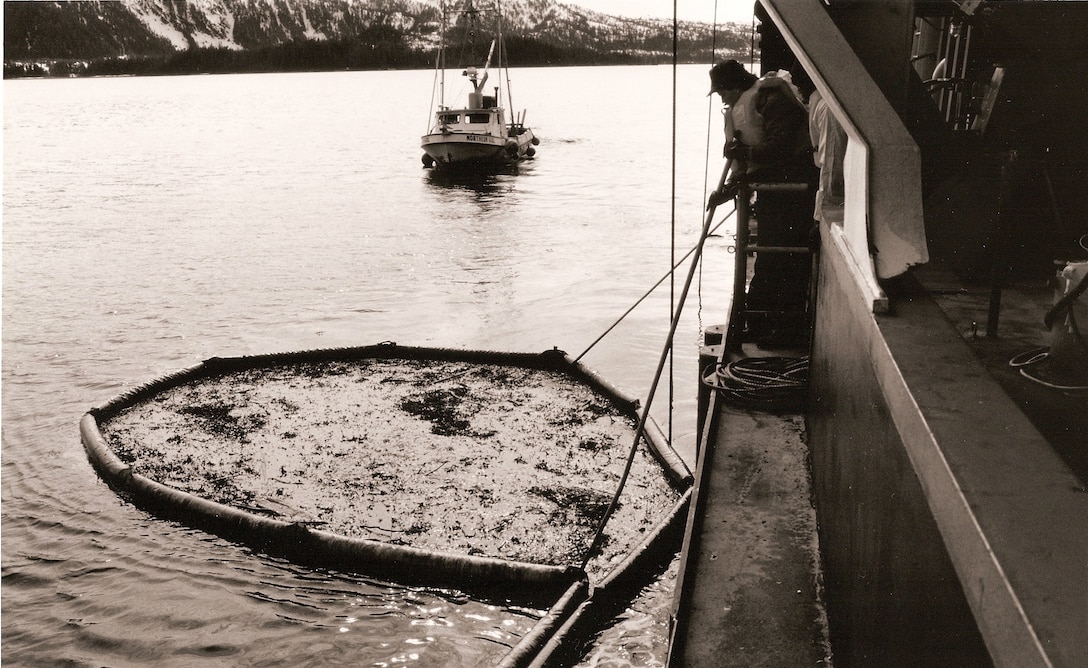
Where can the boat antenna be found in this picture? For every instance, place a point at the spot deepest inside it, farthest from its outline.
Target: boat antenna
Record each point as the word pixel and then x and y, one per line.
pixel 435 85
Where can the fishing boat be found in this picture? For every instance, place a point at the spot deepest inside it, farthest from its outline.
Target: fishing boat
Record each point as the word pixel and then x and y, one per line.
pixel 477 135
pixel 426 467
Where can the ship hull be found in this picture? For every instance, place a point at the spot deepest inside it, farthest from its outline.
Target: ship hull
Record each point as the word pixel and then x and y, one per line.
pixel 458 150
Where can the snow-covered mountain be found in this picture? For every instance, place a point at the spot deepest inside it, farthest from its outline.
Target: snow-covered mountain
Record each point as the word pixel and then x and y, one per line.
pixel 250 24
pixel 90 29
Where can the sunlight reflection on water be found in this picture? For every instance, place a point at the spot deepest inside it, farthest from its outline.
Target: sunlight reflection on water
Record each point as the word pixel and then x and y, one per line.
pixel 153 223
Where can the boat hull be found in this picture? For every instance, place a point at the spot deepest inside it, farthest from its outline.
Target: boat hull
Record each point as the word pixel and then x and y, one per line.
pixel 454 150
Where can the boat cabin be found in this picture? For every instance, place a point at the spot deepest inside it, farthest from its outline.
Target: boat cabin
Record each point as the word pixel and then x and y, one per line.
pixel 482 116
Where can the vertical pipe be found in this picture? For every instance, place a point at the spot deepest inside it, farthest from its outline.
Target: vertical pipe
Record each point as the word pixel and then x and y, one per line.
pixel 1001 239
pixel 740 271
pixel 961 117
pixel 944 53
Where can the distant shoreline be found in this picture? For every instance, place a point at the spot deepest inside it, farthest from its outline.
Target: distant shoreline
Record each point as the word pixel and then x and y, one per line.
pixel 39 74
pixel 293 58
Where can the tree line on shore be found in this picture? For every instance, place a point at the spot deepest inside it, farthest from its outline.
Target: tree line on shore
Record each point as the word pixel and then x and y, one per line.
pixel 326 55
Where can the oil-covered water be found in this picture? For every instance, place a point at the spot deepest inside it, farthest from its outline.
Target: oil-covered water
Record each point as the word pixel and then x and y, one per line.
pixel 150 223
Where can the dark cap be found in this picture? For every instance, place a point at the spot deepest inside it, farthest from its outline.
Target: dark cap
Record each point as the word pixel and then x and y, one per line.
pixel 730 75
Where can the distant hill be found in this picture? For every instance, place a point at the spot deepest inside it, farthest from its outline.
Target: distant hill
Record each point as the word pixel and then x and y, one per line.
pixel 178 36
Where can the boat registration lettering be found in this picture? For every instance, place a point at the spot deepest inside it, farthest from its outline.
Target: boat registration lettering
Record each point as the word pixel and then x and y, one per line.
pixel 479 138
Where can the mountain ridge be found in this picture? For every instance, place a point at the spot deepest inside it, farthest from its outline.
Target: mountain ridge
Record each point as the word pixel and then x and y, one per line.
pixel 175 36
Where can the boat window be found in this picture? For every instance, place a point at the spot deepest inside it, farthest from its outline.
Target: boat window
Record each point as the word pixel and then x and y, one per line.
pixel 479 118
pixel 450 119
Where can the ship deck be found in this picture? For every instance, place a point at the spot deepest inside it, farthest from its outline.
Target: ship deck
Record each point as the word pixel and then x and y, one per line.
pixel 950 485
pixel 1060 416
pixel 750 586
pixel 750 581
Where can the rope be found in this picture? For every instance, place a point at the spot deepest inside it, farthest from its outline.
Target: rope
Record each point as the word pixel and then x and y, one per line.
pixel 675 311
pixel 772 384
pixel 650 291
pixel 1029 357
pixel 672 212
pixel 1035 356
pixel 645 413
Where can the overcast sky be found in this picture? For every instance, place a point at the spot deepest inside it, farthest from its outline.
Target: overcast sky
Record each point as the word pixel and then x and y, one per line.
pixel 738 11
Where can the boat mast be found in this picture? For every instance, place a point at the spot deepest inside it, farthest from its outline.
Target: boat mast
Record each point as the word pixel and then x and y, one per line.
pixel 472 13
pixel 442 54
pixel 504 64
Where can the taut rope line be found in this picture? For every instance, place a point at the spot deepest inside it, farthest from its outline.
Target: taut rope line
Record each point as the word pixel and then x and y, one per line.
pixel 672 203
pixel 652 288
pixel 645 411
pixel 675 311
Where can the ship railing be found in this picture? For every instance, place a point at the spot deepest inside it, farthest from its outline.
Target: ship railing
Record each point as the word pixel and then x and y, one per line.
pixel 881 233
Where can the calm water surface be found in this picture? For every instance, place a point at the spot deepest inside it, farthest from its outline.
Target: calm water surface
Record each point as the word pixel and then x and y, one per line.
pixel 150 223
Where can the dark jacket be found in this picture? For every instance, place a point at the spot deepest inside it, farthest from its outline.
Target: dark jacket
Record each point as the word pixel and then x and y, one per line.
pixel 786 150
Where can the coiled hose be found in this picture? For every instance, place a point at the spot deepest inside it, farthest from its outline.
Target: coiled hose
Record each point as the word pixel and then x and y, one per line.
pixel 771 384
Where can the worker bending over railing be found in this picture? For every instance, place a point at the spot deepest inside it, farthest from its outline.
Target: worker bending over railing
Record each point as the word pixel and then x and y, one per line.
pixel 768 144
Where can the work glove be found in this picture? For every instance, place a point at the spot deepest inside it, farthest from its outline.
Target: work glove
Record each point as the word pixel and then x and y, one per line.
pixel 735 150
pixel 727 192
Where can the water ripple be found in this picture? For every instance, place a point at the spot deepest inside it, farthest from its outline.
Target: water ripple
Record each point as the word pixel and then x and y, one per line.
pixel 153 223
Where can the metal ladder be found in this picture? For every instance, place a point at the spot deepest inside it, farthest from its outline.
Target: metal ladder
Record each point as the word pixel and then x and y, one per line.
pixel 747 246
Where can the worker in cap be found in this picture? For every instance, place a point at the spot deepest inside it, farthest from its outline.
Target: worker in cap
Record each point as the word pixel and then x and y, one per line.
pixel 728 77
pixel 767 140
